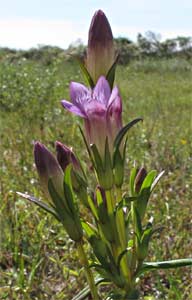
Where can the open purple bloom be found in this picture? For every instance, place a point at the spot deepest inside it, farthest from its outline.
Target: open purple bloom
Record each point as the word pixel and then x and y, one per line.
pixel 101 110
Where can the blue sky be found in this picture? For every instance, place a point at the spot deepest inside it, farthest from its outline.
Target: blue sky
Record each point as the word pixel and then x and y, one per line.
pixel 25 24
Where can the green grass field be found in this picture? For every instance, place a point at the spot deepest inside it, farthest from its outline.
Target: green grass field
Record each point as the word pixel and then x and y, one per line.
pixel 37 259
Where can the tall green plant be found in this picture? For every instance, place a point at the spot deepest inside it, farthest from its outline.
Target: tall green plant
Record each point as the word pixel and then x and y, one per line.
pixel 119 233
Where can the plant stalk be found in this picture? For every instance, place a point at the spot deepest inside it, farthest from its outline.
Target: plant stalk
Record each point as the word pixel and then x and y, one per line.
pixel 123 239
pixel 88 272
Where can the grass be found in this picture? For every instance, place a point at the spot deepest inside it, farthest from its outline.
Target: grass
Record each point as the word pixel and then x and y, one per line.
pixel 37 259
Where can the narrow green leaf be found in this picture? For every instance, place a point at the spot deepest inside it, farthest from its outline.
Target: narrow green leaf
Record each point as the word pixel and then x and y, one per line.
pixel 100 251
pixel 87 146
pixel 138 223
pixel 89 229
pixel 40 204
pixel 148 181
pixel 150 266
pixel 132 180
pixel 85 72
pixel 108 162
pixel 145 193
pixel 111 73
pixel 124 149
pixel 34 269
pixel 68 190
pixel 93 207
pixel 123 131
pixel 99 197
pixel 147 233
pixel 81 180
pixel 144 242
pixel 155 182
pixel 121 255
pixel 97 158
pixel 59 202
pixel 118 166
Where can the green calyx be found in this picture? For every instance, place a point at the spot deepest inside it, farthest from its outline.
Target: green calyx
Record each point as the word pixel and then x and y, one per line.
pixel 103 166
pixel 65 207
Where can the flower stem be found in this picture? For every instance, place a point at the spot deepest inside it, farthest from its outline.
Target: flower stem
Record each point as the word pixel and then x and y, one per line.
pixel 88 272
pixel 110 207
pixel 133 262
pixel 123 239
pixel 121 221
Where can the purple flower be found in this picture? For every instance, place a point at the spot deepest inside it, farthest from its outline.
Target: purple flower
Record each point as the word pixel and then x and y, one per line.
pixel 48 168
pixel 101 110
pixel 100 52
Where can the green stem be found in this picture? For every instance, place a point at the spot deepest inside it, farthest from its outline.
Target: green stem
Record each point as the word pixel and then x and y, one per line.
pixel 121 221
pixel 121 243
pixel 133 261
pixel 123 239
pixel 88 272
pixel 110 209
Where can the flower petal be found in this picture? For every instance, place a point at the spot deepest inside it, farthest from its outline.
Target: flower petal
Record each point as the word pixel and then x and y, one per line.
pixel 114 95
pixel 114 112
pixel 95 109
pixel 114 117
pixel 73 108
pixel 79 94
pixel 102 91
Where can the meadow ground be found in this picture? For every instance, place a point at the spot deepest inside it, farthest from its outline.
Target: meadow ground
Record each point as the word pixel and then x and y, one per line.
pixel 37 260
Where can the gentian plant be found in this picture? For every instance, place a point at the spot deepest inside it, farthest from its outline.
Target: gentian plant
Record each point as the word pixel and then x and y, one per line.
pixel 119 233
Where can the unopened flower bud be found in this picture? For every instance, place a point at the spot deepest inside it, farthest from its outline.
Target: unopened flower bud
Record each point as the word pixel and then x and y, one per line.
pixel 65 156
pixel 142 173
pixel 48 168
pixel 100 52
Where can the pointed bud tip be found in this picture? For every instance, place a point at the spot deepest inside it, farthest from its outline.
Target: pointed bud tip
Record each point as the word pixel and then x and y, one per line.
pixel 63 155
pixel 59 145
pixel 100 29
pixel 39 151
pixel 37 145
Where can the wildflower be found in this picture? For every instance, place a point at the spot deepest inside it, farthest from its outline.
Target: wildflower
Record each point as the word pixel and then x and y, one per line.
pixel 48 168
pixel 100 53
pixel 101 110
